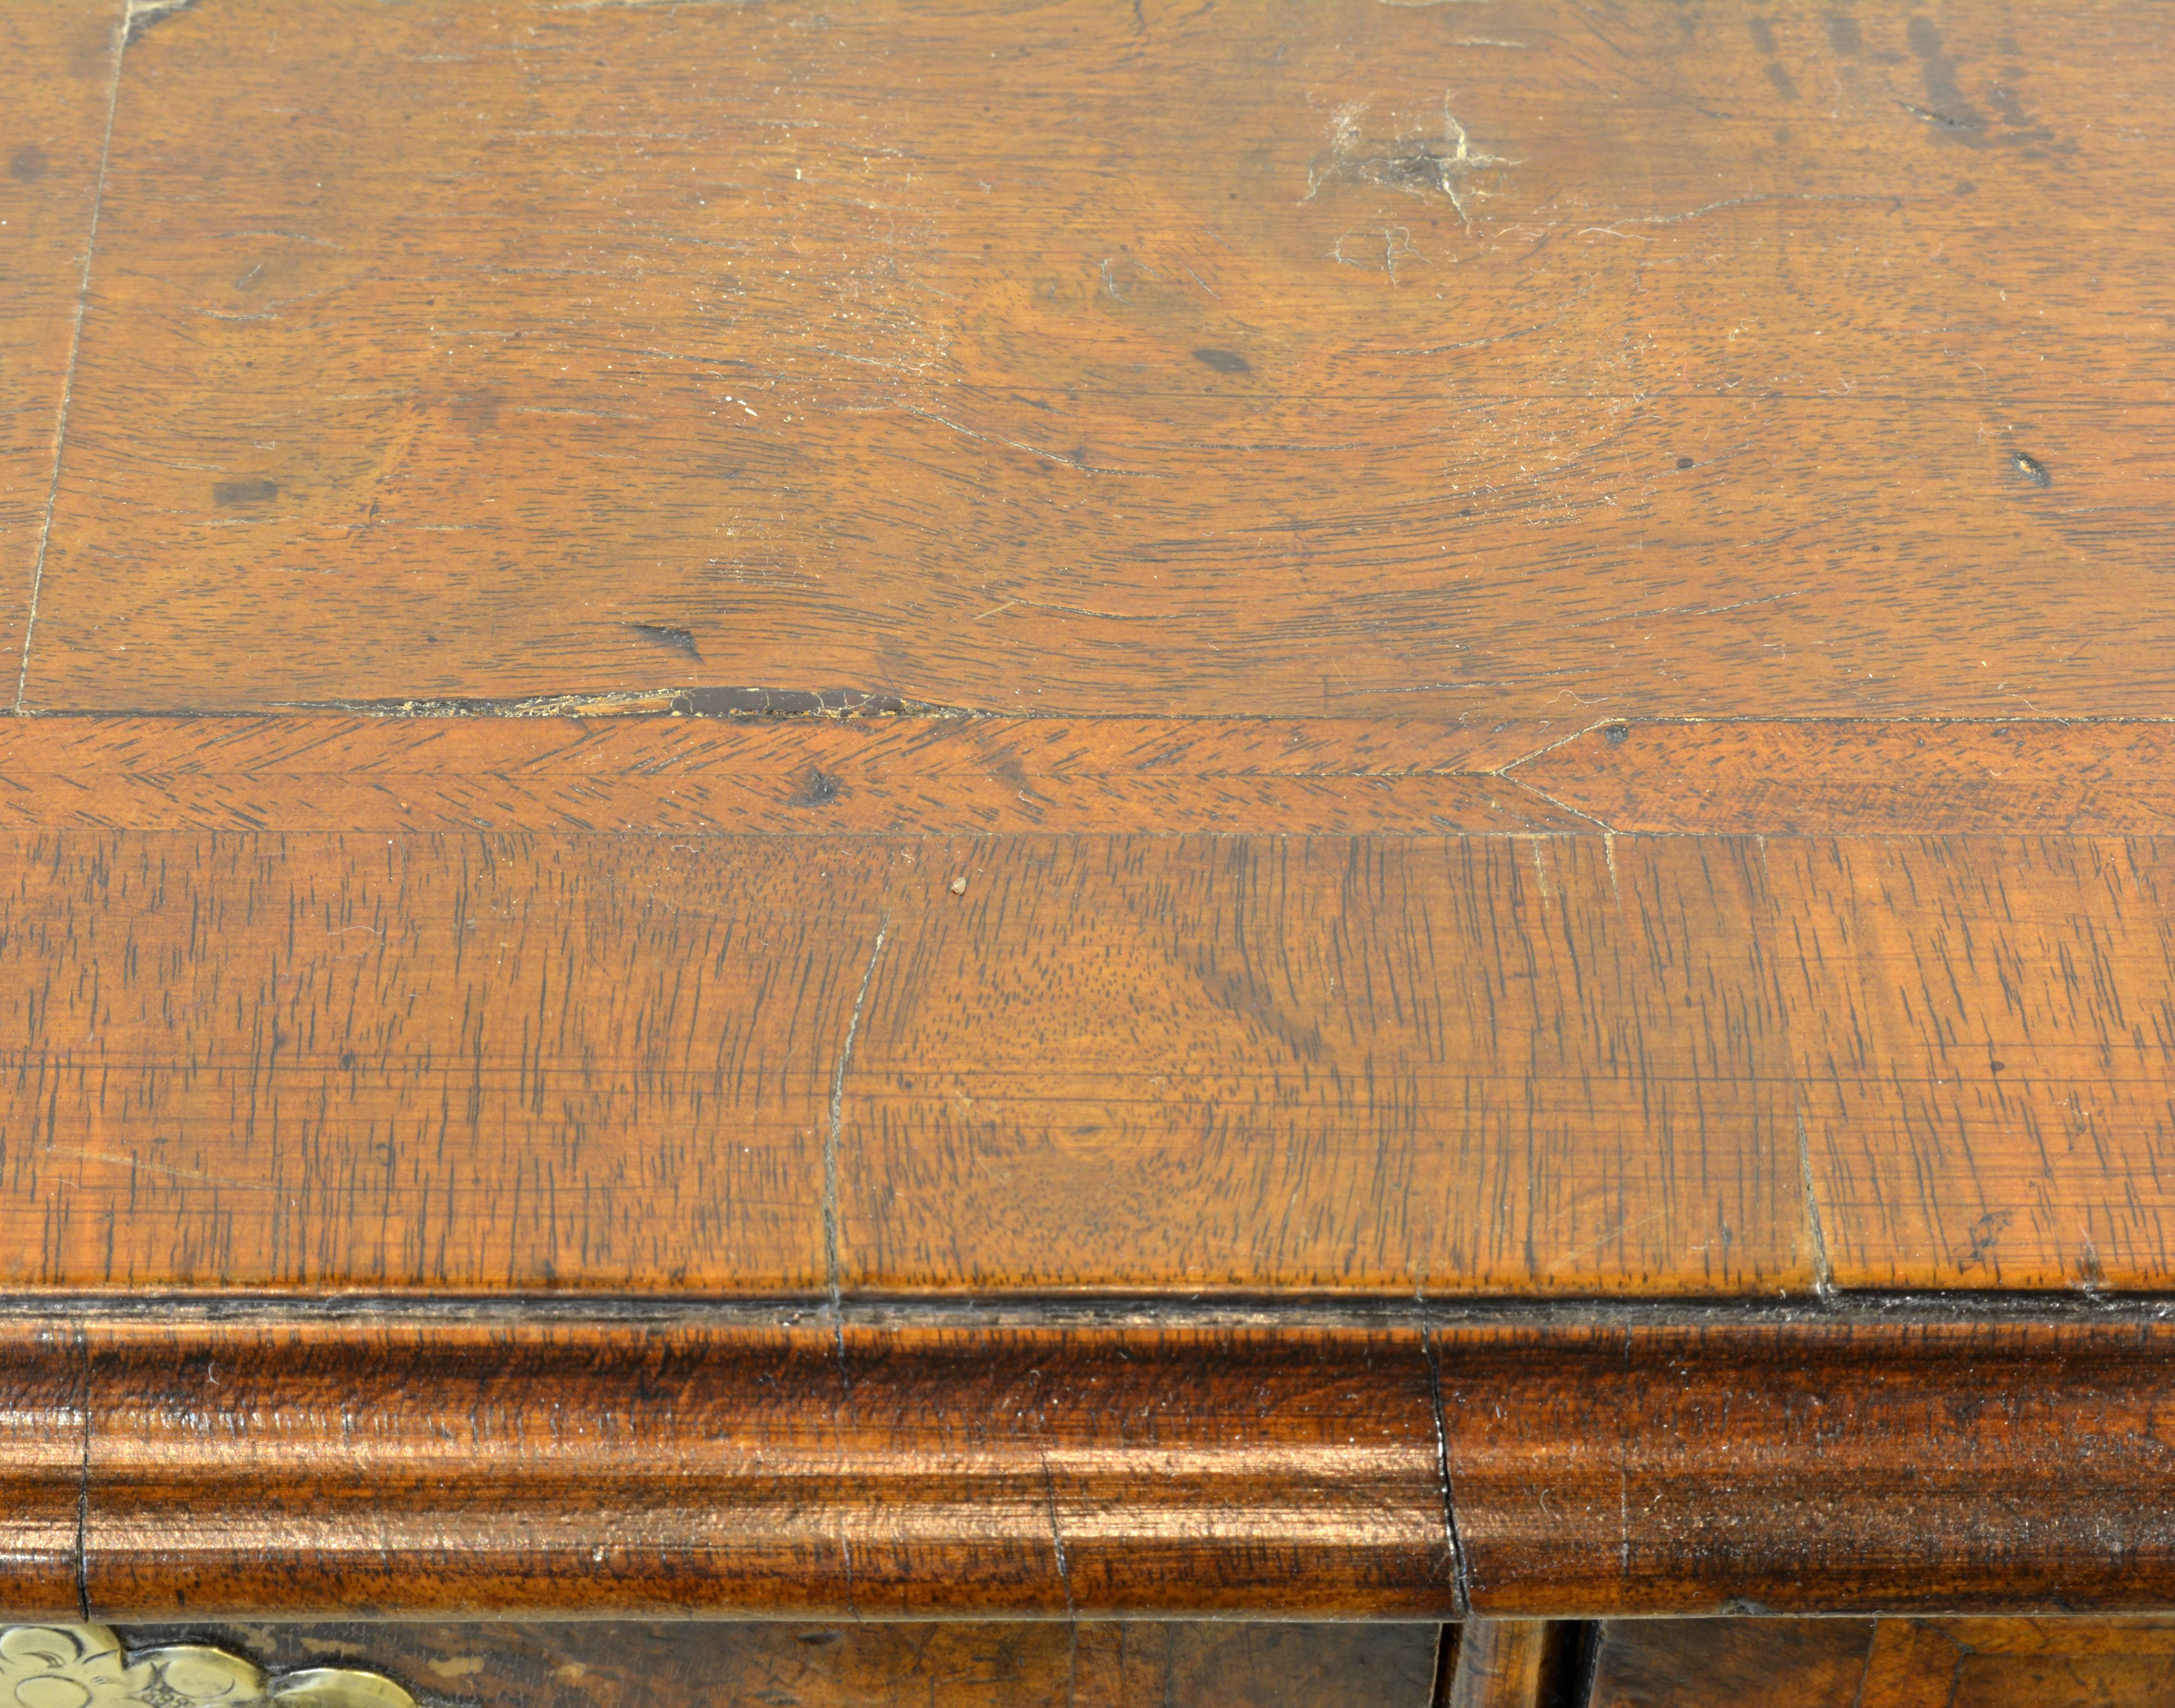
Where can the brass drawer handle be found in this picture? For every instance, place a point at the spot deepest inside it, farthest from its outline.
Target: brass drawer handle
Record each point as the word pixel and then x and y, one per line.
pixel 83 1667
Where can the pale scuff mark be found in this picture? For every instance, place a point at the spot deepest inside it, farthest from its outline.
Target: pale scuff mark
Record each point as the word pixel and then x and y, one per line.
pixel 1449 165
pixel 1369 247
pixel 141 15
pixel 1610 230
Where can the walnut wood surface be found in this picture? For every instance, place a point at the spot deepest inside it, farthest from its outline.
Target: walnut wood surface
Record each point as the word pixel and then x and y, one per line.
pixel 476 1060
pixel 1484 359
pixel 796 775
pixel 1504 380
pixel 1859 777
pixel 1504 1664
pixel 1743 1663
pixel 992 1664
pixel 693 1003
pixel 1809 1467
pixel 863 1472
pixel 1403 650
pixel 1890 1663
pixel 257 1464
pixel 62 56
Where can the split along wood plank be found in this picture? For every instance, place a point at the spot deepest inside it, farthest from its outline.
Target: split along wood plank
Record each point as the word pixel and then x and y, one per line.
pixel 62 57
pixel 1499 359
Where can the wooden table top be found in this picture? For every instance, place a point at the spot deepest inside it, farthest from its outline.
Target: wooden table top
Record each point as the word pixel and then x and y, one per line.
pixel 1411 677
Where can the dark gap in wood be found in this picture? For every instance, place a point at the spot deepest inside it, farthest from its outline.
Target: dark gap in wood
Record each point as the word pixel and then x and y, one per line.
pixel 1445 1666
pixel 1569 1674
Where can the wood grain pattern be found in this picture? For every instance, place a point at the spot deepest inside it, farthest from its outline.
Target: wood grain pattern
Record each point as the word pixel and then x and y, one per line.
pixel 1910 1663
pixel 1741 1663
pixel 1497 358
pixel 465 1061
pixel 883 1462
pixel 1503 1663
pixel 1986 1050
pixel 62 59
pixel 1888 1663
pixel 695 776
pixel 818 1471
pixel 1476 1066
pixel 987 1664
pixel 1810 1466
pixel 600 1055
pixel 484 1060
pixel 1870 778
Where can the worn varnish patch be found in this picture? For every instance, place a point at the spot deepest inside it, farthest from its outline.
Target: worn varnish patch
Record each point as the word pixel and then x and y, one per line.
pixel 1496 359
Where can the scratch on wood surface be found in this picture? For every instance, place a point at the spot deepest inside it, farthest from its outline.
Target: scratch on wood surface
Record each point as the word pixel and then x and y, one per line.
pixel 1447 165
pixel 678 702
pixel 1057 1538
pixel 1823 1275
pixel 832 1259
pixel 74 351
pixel 123 1161
pixel 1677 218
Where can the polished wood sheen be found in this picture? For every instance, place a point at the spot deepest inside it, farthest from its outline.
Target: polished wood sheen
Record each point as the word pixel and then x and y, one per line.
pixel 915 1463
